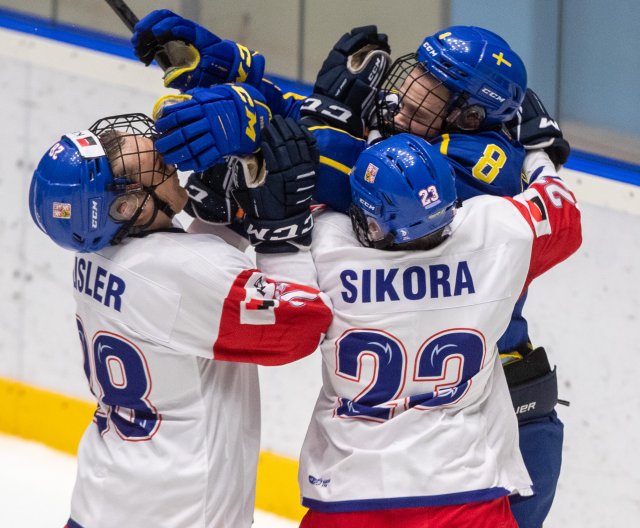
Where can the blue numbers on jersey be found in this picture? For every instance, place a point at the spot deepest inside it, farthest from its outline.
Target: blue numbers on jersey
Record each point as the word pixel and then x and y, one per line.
pixel 449 360
pixel 118 376
pixel 446 362
pixel 389 360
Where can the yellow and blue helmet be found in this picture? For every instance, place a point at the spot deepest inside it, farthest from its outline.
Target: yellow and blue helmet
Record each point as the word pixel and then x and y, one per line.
pixel 479 68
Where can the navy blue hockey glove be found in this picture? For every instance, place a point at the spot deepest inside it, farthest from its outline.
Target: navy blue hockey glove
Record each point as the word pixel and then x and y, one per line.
pixel 210 197
pixel 345 91
pixel 204 61
pixel 536 129
pixel 277 216
pixel 197 129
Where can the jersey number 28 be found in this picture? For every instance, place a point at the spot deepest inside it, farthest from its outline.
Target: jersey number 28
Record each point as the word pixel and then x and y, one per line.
pixel 119 377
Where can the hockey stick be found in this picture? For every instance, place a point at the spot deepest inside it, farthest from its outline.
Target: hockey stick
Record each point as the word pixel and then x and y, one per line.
pixel 130 20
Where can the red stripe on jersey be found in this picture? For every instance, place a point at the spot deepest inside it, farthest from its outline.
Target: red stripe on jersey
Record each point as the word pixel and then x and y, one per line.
pixel 268 322
pixel 550 210
pixel 489 514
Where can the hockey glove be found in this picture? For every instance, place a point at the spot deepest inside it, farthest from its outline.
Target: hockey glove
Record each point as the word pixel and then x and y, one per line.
pixel 533 384
pixel 206 59
pixel 207 124
pixel 536 129
pixel 277 216
pixel 345 91
pixel 210 197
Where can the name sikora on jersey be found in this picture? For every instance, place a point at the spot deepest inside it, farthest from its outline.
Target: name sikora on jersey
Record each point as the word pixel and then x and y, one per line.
pixel 412 283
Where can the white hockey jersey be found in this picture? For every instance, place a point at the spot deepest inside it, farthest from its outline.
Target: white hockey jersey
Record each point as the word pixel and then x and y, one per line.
pixel 415 409
pixel 175 438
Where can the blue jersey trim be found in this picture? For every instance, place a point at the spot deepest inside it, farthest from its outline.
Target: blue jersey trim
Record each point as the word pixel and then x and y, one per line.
pixel 404 502
pixel 72 524
pixel 579 160
pixel 609 168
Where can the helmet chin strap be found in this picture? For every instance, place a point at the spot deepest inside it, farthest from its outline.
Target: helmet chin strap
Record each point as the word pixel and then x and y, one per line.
pixel 130 227
pixel 161 205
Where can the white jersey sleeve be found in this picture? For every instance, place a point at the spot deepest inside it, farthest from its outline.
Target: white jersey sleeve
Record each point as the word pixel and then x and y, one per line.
pixel 201 298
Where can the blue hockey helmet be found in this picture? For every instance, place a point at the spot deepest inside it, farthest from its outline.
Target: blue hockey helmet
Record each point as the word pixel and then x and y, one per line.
pixel 402 190
pixel 463 77
pixel 74 196
pixel 479 65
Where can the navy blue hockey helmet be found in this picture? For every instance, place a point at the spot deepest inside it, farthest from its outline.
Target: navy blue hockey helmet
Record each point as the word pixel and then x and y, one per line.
pixel 402 190
pixel 485 78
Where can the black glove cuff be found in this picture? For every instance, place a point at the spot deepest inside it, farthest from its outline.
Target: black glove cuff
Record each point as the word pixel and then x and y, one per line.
pixel 284 247
pixel 291 229
pixel 558 152
pixel 533 364
pixel 535 398
pixel 533 385
pixel 333 113
pixel 208 199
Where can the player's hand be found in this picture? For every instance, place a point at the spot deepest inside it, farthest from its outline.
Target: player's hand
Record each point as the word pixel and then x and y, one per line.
pixel 536 129
pixel 206 60
pixel 207 124
pixel 345 90
pixel 277 216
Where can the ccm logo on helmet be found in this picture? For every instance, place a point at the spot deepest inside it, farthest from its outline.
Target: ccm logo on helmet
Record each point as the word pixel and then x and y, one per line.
pixel 366 204
pixel 492 94
pixel 95 214
pixel 430 49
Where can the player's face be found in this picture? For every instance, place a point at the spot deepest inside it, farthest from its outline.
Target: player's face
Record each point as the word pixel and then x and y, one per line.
pixel 140 161
pixel 423 102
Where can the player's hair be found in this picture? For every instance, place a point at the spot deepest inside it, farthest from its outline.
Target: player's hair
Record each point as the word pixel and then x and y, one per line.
pixel 113 143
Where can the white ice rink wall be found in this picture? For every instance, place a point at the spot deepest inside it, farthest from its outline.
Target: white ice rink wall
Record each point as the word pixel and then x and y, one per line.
pixel 586 312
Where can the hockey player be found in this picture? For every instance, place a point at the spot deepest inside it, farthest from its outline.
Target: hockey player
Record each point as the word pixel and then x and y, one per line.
pixel 172 326
pixel 461 97
pixel 461 89
pixel 413 426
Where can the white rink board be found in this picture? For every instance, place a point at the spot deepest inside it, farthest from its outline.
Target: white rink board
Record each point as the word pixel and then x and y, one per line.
pixel 585 312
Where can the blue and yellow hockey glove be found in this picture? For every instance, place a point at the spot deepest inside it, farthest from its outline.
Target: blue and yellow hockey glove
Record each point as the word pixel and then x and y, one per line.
pixel 197 129
pixel 204 61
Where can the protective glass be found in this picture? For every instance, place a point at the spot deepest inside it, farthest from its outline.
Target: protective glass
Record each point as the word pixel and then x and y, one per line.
pixel 412 100
pixel 137 169
pixel 128 141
